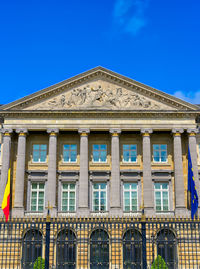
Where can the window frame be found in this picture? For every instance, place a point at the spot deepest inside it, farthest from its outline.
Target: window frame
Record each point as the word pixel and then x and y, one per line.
pixel 1 151
pixel 198 152
pixel 161 191
pixel 99 196
pixel 95 162
pixel 130 192
pixel 37 200
pixel 39 161
pixel 163 239
pixel 160 161
pixel 68 191
pixel 129 161
pixel 29 246
pixel 63 161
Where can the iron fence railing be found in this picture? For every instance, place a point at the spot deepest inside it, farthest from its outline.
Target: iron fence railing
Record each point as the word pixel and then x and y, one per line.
pixel 100 243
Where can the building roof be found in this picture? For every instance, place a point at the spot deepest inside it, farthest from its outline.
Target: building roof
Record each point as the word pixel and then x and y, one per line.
pixel 138 95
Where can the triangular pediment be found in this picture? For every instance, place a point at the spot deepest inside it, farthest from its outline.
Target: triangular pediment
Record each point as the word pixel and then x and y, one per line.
pixel 99 94
pixel 99 89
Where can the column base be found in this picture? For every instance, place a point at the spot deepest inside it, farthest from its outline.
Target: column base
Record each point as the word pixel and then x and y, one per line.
pixel 1 213
pixel 83 212
pixel 17 212
pixel 53 212
pixel 149 212
pixel 116 212
pixel 182 212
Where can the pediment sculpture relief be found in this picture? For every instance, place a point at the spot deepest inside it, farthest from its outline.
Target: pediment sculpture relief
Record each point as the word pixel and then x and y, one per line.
pixel 96 96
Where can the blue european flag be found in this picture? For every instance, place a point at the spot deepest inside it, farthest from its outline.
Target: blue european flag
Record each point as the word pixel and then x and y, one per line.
pixel 191 187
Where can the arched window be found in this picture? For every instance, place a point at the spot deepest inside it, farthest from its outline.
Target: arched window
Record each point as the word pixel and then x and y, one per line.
pixel 132 249
pixel 31 248
pixel 99 249
pixel 166 248
pixel 66 250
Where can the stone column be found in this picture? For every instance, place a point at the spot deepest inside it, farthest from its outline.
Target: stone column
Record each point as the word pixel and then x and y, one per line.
pixel 148 191
pixel 83 207
pixel 115 194
pixel 5 163
pixel 192 142
pixel 18 210
pixel 178 174
pixel 52 171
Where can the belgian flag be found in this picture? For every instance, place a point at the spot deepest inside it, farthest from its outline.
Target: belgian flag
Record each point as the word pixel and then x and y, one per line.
pixel 6 198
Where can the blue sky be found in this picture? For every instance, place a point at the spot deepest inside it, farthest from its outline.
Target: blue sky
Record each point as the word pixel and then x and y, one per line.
pixel 156 42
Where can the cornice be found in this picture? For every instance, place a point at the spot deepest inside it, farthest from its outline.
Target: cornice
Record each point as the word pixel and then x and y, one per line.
pixel 98 114
pixel 100 72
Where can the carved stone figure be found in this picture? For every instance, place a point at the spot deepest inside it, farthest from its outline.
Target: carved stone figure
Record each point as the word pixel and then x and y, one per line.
pixel 96 96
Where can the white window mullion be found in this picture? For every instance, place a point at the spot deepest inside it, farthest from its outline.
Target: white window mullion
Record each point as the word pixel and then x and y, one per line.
pixel 106 199
pixel 130 197
pixel 99 198
pixel 161 195
pixel 68 197
pixel 37 197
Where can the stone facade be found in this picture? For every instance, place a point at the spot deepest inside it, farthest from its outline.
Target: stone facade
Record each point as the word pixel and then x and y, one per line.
pixel 99 107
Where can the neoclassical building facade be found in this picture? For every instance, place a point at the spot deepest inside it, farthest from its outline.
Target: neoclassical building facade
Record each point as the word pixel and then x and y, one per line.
pixel 99 144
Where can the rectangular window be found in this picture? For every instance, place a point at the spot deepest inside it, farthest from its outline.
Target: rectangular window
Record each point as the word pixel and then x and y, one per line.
pixel 70 153
pixel 160 153
pixel 68 197
pixel 39 153
pixel 99 197
pixel 130 153
pixel 37 197
pixel 99 153
pixel 161 196
pixel 130 195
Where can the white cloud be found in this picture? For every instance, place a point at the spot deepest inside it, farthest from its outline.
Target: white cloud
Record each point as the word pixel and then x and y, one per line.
pixel 189 96
pixel 129 15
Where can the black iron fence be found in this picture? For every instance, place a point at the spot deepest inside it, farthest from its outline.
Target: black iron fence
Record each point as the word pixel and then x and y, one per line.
pixel 100 243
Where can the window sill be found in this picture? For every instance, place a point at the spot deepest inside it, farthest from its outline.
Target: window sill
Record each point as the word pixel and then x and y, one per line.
pixel 34 213
pixel 35 164
pixel 69 164
pixel 161 164
pixel 99 164
pixel 130 164
pixel 98 214
pixel 66 214
pixel 165 212
pixel 132 213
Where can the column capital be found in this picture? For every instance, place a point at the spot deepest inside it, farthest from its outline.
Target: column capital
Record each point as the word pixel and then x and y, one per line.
pixel 6 132
pixel 53 131
pixel 146 132
pixel 192 132
pixel 177 132
pixel 115 132
pixel 84 131
pixel 22 132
